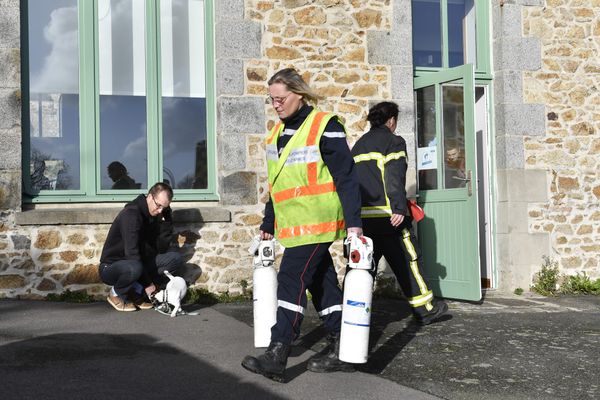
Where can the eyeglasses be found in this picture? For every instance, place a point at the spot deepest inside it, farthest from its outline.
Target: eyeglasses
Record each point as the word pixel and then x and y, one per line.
pixel 277 100
pixel 159 206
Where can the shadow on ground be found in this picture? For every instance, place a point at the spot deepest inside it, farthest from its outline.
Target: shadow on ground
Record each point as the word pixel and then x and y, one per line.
pixel 392 328
pixel 94 366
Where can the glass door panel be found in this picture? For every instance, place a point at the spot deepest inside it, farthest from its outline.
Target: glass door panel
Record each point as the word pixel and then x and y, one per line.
pixel 426 138
pixel 454 136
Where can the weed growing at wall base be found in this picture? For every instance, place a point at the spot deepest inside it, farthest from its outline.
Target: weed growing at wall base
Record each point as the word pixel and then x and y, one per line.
pixel 546 280
pixel 203 296
pixel 580 284
pixel 71 297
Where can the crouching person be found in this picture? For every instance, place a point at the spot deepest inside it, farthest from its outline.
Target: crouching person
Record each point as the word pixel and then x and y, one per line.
pixel 137 250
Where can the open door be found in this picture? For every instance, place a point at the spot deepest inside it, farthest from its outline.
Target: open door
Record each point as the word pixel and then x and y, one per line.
pixel 447 184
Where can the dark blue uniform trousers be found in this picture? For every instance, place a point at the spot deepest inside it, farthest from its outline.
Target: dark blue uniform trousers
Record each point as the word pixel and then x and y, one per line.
pixel 123 274
pixel 306 267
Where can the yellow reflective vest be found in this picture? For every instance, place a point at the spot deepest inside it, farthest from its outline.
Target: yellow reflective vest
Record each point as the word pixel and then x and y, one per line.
pixel 306 204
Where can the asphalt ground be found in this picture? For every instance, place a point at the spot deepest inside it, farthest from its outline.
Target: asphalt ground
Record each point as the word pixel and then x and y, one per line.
pixel 509 347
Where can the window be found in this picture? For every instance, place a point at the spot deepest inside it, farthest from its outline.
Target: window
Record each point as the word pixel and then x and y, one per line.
pixel 116 98
pixel 450 33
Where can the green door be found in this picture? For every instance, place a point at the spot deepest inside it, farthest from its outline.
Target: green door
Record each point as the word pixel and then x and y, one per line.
pixel 445 130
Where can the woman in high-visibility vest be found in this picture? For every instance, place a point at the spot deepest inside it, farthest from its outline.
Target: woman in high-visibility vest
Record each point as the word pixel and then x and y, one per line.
pixel 314 200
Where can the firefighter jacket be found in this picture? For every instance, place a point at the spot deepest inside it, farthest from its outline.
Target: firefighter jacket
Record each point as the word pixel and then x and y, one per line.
pixel 306 205
pixel 380 158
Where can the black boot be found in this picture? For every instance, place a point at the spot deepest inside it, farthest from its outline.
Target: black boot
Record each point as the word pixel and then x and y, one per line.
pixel 270 364
pixel 439 309
pixel 330 362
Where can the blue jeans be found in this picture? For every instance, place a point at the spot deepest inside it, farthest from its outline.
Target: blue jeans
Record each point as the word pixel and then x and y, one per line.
pixel 123 274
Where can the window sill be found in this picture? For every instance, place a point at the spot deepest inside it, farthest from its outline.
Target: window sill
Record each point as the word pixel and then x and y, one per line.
pixel 106 215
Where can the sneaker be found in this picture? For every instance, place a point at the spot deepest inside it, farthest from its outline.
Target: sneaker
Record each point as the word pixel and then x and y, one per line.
pixel 138 297
pixel 120 305
pixel 144 305
pixel 439 308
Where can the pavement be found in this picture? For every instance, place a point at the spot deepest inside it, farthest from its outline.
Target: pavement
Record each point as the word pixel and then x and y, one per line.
pixel 509 347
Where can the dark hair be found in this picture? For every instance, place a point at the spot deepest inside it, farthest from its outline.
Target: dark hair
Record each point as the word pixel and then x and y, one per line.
pixel 380 113
pixel 295 84
pixel 117 168
pixel 161 187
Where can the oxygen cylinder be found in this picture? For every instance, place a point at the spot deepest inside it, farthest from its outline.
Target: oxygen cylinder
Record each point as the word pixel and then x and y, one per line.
pixel 358 295
pixel 264 292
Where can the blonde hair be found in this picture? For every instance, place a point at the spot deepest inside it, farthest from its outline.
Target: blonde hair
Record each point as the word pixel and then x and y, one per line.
pixel 295 84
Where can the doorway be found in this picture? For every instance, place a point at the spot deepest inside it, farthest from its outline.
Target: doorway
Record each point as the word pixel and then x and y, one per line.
pixel 453 175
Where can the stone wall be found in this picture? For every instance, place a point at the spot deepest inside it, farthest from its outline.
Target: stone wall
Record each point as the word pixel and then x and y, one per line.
pixel 10 106
pixel 352 52
pixel 38 260
pixel 568 83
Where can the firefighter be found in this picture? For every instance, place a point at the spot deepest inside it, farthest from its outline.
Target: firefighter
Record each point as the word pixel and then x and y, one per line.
pixel 380 158
pixel 314 200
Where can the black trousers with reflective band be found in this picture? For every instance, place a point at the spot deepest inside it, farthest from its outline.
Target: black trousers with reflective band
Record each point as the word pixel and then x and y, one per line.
pixel 401 251
pixel 306 267
pixel 123 274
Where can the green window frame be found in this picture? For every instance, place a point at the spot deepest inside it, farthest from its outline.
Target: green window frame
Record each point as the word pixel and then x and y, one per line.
pixel 482 38
pixel 90 168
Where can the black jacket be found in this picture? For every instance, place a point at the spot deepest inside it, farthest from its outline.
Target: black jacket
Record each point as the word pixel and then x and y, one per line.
pixel 136 235
pixel 374 187
pixel 336 156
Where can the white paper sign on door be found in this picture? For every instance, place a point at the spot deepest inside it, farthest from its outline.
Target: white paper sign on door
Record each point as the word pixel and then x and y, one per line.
pixel 426 158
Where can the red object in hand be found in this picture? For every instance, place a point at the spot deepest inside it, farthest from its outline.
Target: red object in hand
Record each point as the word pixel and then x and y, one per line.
pixel 416 211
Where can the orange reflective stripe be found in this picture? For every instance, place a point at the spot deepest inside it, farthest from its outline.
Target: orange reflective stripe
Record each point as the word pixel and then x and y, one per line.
pixel 270 138
pixel 303 191
pixel 314 128
pixel 314 229
pixel 311 168
pixel 311 171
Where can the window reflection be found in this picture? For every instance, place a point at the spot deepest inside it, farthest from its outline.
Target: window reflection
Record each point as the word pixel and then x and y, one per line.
pixel 118 173
pixel 53 94
pixel 461 32
pixel 184 94
pixel 122 63
pixel 427 33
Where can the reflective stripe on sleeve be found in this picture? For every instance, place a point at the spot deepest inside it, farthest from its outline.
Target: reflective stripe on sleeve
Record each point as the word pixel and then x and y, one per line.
pixel 376 210
pixel 334 134
pixel 394 156
pixel 288 132
pixel 368 157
